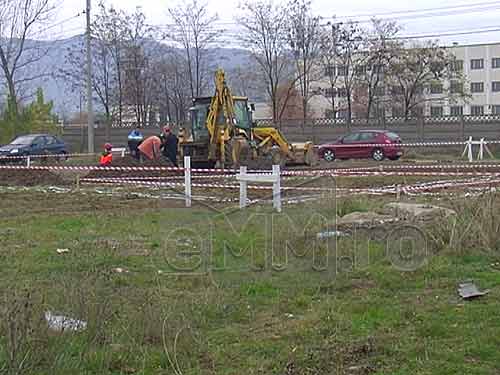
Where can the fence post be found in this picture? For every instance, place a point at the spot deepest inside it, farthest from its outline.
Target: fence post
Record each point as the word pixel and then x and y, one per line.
pixel 277 188
pixel 28 161
pixel 243 188
pixel 187 180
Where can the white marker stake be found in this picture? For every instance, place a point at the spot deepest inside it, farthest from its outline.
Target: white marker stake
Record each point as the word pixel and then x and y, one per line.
pixel 243 188
pixel 187 180
pixel 277 188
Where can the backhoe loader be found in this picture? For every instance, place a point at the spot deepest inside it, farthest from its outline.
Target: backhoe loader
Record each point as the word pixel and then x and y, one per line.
pixel 223 135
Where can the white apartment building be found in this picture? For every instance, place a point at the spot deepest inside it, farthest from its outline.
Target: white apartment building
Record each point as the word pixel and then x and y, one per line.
pixel 480 64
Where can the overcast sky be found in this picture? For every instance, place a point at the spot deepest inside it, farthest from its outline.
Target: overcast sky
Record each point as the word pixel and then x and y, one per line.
pixel 466 15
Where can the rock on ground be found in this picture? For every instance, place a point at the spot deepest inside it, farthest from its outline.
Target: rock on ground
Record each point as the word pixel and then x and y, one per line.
pixel 365 219
pixel 419 212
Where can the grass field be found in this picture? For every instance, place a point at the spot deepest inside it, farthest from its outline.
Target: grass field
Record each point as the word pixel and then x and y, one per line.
pixel 198 295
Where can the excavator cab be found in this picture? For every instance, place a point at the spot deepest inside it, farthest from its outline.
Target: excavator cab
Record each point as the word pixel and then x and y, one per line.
pixel 201 108
pixel 195 139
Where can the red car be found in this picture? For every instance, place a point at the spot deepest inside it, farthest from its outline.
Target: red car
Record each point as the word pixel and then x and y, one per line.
pixel 364 144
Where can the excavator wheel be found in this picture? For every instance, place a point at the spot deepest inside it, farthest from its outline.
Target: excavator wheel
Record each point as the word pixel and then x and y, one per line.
pixel 278 158
pixel 311 158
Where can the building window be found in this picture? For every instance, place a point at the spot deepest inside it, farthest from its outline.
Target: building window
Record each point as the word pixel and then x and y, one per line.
pixel 457 66
pixel 417 112
pixel 436 111
pixel 436 88
pixel 342 92
pixel 397 112
pixel 477 87
pixel 495 109
pixel 495 63
pixel 330 71
pixel 419 90
pixel 342 70
pixel 329 92
pixel 495 86
pixel 342 114
pixel 456 87
pixel 456 110
pixel 477 110
pixel 361 70
pixel 477 64
pixel 397 90
pixel 380 91
pixel 329 113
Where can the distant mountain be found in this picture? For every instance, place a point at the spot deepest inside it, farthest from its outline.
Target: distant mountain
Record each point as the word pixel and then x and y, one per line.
pixel 236 62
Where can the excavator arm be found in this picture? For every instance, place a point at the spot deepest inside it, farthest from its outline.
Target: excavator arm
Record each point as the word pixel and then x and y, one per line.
pixel 221 104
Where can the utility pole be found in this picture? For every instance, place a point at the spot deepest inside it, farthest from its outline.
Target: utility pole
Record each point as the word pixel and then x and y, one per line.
pixel 90 111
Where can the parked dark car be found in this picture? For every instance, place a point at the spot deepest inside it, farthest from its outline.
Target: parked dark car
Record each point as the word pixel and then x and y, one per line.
pixel 35 144
pixel 354 146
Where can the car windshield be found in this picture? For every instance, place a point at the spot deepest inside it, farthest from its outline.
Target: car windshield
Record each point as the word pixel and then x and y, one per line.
pixel 392 136
pixel 23 141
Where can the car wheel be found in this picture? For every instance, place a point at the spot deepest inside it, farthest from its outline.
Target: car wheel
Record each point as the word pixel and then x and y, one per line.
pixel 378 154
pixel 329 155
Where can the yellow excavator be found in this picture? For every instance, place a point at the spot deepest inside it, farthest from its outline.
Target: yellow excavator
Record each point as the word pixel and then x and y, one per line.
pixel 223 135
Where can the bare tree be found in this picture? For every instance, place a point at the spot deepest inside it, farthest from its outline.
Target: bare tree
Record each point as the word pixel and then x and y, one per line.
pixel 351 61
pixel 264 25
pixel 194 31
pixel 304 39
pixel 175 95
pixel 382 50
pixel 19 20
pixel 109 29
pixel 139 86
pixel 329 53
pixel 417 67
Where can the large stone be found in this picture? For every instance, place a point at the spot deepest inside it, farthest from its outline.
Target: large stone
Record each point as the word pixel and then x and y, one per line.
pixel 362 219
pixel 418 212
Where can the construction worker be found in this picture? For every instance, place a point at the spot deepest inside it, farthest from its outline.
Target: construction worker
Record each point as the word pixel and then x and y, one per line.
pixel 169 145
pixel 107 155
pixel 150 148
pixel 135 138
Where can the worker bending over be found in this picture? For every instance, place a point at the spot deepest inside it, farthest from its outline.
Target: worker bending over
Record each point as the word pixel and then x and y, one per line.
pixel 150 148
pixel 107 155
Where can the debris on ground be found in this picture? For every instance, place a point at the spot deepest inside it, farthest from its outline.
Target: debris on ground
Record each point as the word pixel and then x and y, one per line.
pixel 120 270
pixel 331 234
pixel 61 323
pixel 418 212
pixel 365 219
pixel 62 251
pixel 468 290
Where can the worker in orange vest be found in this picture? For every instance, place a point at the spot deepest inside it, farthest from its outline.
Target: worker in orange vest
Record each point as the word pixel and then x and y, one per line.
pixel 150 148
pixel 107 155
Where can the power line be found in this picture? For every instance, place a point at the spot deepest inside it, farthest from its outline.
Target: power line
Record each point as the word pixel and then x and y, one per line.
pixel 445 34
pixel 61 22
pixel 420 10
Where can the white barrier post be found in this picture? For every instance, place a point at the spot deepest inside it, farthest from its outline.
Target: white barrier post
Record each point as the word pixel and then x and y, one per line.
pixel 481 149
pixel 187 180
pixel 468 150
pixel 28 161
pixel 277 188
pixel 243 188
